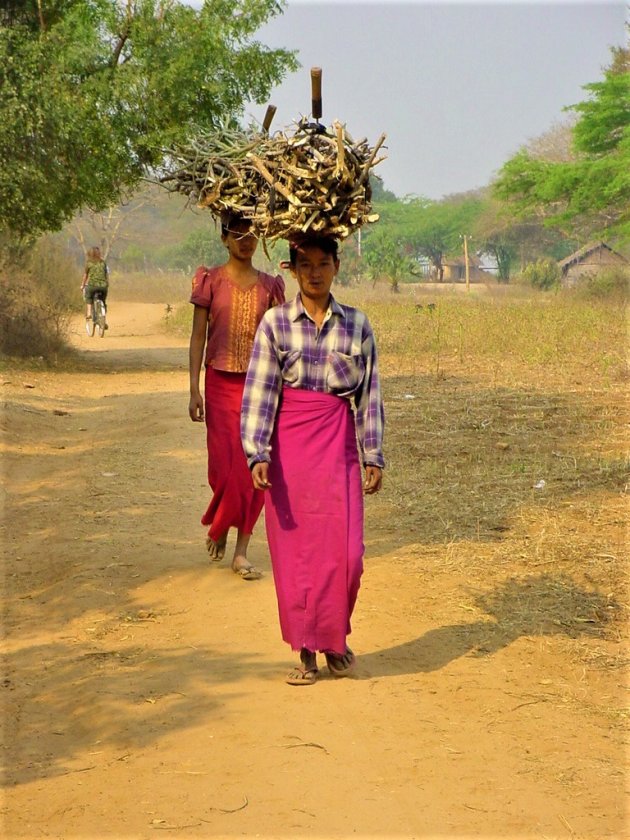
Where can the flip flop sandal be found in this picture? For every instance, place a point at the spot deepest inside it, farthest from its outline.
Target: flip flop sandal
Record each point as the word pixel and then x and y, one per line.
pixel 302 676
pixel 336 666
pixel 248 572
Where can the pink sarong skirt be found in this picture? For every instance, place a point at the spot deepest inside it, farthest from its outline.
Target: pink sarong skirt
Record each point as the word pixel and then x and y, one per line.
pixel 235 503
pixel 314 519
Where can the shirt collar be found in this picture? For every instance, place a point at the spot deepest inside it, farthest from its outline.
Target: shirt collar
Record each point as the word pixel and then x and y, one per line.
pixel 297 308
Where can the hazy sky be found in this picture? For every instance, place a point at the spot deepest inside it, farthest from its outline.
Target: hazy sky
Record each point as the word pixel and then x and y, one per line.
pixel 457 87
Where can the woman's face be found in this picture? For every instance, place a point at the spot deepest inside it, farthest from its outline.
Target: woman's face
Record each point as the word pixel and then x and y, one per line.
pixel 315 271
pixel 240 241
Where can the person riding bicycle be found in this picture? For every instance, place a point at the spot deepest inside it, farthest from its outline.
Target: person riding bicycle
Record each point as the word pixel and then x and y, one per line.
pixel 95 279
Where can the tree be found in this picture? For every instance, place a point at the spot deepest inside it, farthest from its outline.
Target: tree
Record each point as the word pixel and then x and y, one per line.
pixel 503 251
pixel 515 241
pixel 202 246
pixel 92 91
pixel 589 195
pixel 543 274
pixel 379 192
pixel 106 227
pixel 431 229
pixel 555 144
pixel 385 256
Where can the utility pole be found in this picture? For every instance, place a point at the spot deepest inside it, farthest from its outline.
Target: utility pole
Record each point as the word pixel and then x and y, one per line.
pixel 466 262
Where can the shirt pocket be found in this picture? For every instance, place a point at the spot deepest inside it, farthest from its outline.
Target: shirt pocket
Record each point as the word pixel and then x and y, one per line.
pixel 289 366
pixel 344 373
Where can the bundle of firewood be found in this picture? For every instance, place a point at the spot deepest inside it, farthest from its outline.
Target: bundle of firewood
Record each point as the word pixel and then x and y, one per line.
pixel 310 179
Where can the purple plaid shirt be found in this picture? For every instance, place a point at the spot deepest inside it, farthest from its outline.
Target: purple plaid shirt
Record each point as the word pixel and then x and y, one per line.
pixel 291 352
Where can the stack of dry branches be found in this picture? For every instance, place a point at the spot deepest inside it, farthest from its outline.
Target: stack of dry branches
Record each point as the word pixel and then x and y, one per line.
pixel 309 180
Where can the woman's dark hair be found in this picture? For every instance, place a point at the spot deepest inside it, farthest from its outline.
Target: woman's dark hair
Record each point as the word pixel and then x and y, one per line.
pixel 325 243
pixel 230 220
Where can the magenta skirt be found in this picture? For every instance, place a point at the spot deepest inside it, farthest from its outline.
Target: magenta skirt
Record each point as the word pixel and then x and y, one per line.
pixel 235 503
pixel 314 519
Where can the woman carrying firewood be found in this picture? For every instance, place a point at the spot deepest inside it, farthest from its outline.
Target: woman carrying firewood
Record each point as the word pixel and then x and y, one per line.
pixel 229 302
pixel 312 359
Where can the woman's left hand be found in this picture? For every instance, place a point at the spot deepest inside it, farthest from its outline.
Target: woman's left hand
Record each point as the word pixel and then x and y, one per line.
pixel 260 475
pixel 373 479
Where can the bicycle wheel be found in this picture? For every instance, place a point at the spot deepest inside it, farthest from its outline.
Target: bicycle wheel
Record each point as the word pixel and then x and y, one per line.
pixel 99 316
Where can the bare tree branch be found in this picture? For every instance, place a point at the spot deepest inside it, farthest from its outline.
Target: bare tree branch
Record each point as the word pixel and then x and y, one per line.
pixel 124 34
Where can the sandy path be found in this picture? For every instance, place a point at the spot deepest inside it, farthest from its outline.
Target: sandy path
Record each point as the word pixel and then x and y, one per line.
pixel 144 692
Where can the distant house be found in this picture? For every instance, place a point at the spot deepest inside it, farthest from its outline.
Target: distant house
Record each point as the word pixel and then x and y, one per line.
pixel 455 271
pixel 587 262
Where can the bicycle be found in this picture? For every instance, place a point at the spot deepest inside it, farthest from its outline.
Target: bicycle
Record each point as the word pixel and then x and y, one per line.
pixel 98 321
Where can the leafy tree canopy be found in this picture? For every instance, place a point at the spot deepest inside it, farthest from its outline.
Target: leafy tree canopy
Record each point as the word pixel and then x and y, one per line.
pixel 92 91
pixel 591 193
pixel 385 257
pixel 379 193
pixel 431 229
pixel 514 242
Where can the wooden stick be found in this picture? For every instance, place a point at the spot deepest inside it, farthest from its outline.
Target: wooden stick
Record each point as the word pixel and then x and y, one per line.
pixel 316 92
pixel 368 164
pixel 260 166
pixel 271 110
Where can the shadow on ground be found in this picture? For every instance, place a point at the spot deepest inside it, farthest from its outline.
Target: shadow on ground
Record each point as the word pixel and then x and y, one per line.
pixel 535 606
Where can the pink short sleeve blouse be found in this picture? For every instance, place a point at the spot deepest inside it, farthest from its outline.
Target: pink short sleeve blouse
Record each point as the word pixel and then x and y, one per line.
pixel 233 314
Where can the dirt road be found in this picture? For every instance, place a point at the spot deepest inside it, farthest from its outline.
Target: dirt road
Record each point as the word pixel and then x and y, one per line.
pixel 143 692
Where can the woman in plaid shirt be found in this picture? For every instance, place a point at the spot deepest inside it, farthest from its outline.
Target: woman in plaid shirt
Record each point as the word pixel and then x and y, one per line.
pixel 313 359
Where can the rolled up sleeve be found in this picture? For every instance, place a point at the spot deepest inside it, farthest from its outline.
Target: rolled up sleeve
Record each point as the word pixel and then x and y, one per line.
pixel 260 397
pixel 370 415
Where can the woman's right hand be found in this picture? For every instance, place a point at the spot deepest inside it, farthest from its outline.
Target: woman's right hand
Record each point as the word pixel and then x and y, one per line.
pixel 195 408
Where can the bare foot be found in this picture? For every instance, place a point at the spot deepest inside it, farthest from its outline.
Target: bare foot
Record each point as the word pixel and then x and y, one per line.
pixel 216 548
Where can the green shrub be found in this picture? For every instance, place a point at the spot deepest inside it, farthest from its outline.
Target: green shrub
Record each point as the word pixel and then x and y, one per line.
pixel 38 294
pixel 179 320
pixel 543 274
pixel 201 247
pixel 133 258
pixel 613 282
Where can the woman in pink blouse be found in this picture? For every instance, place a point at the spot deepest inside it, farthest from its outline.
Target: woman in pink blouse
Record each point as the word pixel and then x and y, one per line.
pixel 229 302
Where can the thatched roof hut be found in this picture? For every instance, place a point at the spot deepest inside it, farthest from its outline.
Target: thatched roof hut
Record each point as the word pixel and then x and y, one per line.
pixel 588 261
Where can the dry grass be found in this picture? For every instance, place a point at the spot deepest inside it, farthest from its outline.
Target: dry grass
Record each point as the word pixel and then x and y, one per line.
pixel 498 334
pixel 507 461
pixel 157 286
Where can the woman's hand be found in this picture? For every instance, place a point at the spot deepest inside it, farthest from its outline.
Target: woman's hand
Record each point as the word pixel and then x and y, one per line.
pixel 373 479
pixel 195 408
pixel 260 473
